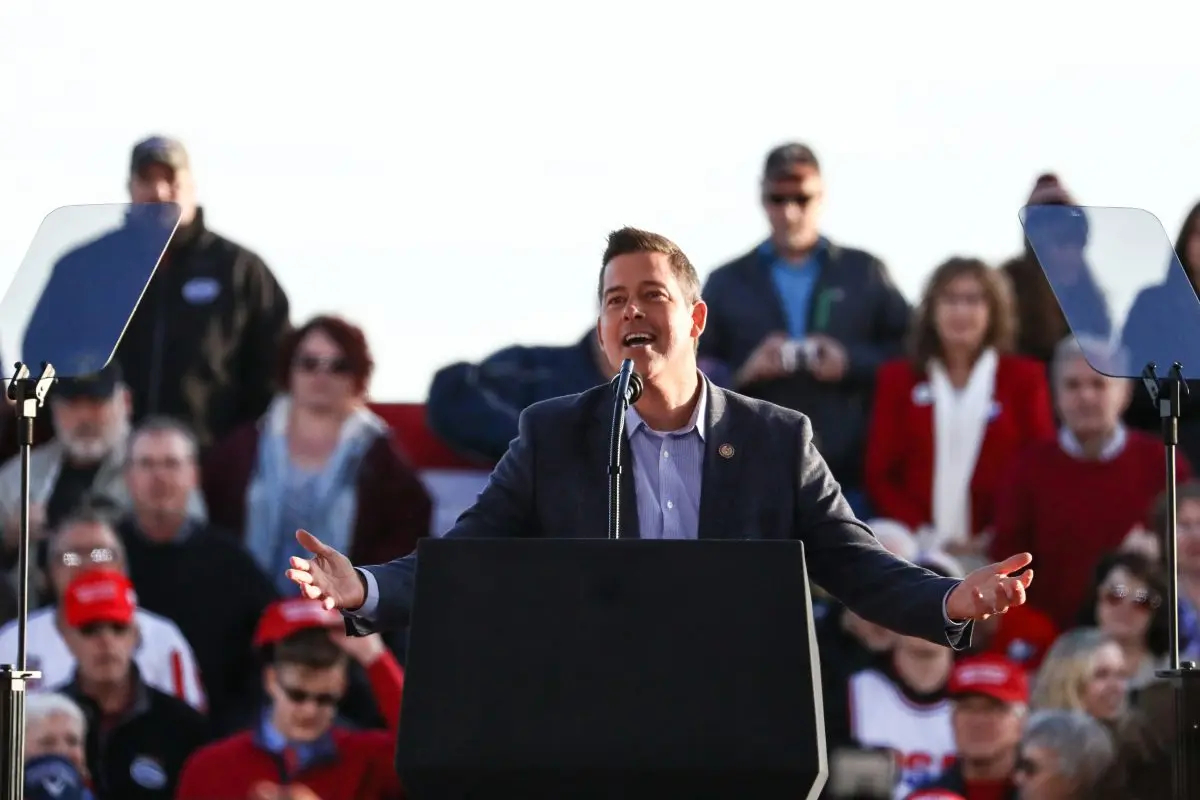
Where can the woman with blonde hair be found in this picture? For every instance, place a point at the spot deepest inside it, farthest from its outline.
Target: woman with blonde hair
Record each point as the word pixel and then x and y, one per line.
pixel 1085 671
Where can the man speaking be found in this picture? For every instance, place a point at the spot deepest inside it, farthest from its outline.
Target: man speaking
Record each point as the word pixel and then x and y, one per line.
pixel 707 463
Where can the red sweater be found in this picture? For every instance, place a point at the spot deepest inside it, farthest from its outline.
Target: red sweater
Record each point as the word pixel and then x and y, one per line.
pixel 363 770
pixel 1068 513
pixel 230 768
pixel 900 449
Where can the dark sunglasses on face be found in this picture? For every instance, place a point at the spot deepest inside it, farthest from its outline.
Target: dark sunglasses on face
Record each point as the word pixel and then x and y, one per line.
pixel 299 697
pixel 802 200
pixel 337 366
pixel 1142 598
pixel 96 628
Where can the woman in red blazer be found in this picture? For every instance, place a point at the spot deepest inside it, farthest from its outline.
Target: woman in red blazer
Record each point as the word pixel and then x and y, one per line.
pixel 948 419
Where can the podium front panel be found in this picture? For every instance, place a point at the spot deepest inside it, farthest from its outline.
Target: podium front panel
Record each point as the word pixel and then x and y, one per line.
pixel 595 668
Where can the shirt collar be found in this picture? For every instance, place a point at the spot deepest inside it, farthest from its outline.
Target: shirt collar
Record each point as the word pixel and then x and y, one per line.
pixel 271 740
pixel 634 420
pixel 768 252
pixel 1112 448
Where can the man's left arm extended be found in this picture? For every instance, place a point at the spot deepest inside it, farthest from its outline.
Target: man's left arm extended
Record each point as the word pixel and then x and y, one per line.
pixel 846 560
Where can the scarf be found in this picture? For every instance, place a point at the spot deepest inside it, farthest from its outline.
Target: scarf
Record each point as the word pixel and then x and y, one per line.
pixel 960 423
pixel 335 490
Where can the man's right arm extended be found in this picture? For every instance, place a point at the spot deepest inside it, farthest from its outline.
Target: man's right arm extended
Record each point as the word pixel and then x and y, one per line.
pixel 503 508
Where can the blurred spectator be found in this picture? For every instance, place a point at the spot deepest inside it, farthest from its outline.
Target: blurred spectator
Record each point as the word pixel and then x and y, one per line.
pixel 989 696
pixel 1151 311
pixel 474 407
pixel 1084 671
pixel 55 726
pixel 174 559
pixel 1065 755
pixel 1144 747
pixel 949 419
pixel 1128 607
pixel 80 466
pixel 1071 500
pixel 320 460
pixel 804 322
pixel 296 741
pixel 368 701
pixel 902 704
pixel 203 342
pixel 137 736
pixel 52 777
pixel 84 543
pixel 1041 324
pixel 1187 561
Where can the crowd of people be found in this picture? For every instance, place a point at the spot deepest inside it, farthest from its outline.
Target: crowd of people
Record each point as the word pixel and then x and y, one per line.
pixel 177 660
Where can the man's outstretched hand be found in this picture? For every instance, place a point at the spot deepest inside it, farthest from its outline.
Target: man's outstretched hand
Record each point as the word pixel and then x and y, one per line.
pixel 328 576
pixel 989 590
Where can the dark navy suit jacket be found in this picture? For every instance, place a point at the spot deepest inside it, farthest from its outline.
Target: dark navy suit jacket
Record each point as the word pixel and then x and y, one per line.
pixel 775 485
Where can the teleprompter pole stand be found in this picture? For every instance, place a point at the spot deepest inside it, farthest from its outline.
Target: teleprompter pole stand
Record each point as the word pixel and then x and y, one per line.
pixel 28 395
pixel 1168 393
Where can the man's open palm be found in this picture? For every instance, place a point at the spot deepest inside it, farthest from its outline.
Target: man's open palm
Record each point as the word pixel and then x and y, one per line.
pixel 991 590
pixel 328 576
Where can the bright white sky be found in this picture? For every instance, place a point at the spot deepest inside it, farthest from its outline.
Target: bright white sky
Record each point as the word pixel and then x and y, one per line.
pixel 445 172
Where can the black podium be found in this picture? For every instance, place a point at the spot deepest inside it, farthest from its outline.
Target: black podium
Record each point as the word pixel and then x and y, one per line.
pixel 592 668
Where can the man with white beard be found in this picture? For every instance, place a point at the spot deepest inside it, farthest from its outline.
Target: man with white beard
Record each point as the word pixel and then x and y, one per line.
pixel 81 465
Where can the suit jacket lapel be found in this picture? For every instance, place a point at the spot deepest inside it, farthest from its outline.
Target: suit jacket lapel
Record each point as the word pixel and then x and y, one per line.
pixel 601 431
pixel 723 458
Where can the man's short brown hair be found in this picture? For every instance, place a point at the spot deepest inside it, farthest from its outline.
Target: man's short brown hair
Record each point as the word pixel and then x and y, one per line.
pixel 311 647
pixel 632 240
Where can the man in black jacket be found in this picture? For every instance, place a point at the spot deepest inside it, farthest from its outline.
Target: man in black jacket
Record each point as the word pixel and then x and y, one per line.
pixel 203 343
pixel 137 737
pixel 804 322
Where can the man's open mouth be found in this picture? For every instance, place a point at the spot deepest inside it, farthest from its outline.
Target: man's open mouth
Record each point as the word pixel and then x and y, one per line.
pixel 637 339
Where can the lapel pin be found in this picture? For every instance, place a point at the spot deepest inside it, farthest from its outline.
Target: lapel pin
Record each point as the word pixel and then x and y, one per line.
pixel 725 450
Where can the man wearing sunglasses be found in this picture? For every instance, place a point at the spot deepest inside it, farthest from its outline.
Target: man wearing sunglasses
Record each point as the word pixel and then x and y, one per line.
pixel 804 322
pixel 137 737
pixel 83 543
pixel 298 741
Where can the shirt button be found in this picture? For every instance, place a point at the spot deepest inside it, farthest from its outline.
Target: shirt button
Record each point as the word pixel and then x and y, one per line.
pixel 670 504
pixel 666 454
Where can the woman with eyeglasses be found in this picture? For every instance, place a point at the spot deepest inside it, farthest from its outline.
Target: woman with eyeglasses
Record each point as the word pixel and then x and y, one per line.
pixel 1084 671
pixel 1065 755
pixel 319 459
pixel 1127 606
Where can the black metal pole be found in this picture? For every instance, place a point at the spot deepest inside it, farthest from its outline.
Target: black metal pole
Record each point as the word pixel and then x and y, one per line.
pixel 28 395
pixel 1168 394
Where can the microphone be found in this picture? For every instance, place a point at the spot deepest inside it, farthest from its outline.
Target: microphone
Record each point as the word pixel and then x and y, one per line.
pixel 628 388
pixel 627 384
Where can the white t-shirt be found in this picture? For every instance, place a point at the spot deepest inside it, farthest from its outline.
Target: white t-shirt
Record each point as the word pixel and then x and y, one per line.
pixel 921 735
pixel 163 657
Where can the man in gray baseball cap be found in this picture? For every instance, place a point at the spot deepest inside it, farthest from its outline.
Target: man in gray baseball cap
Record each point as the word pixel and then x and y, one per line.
pixel 203 342
pixel 160 172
